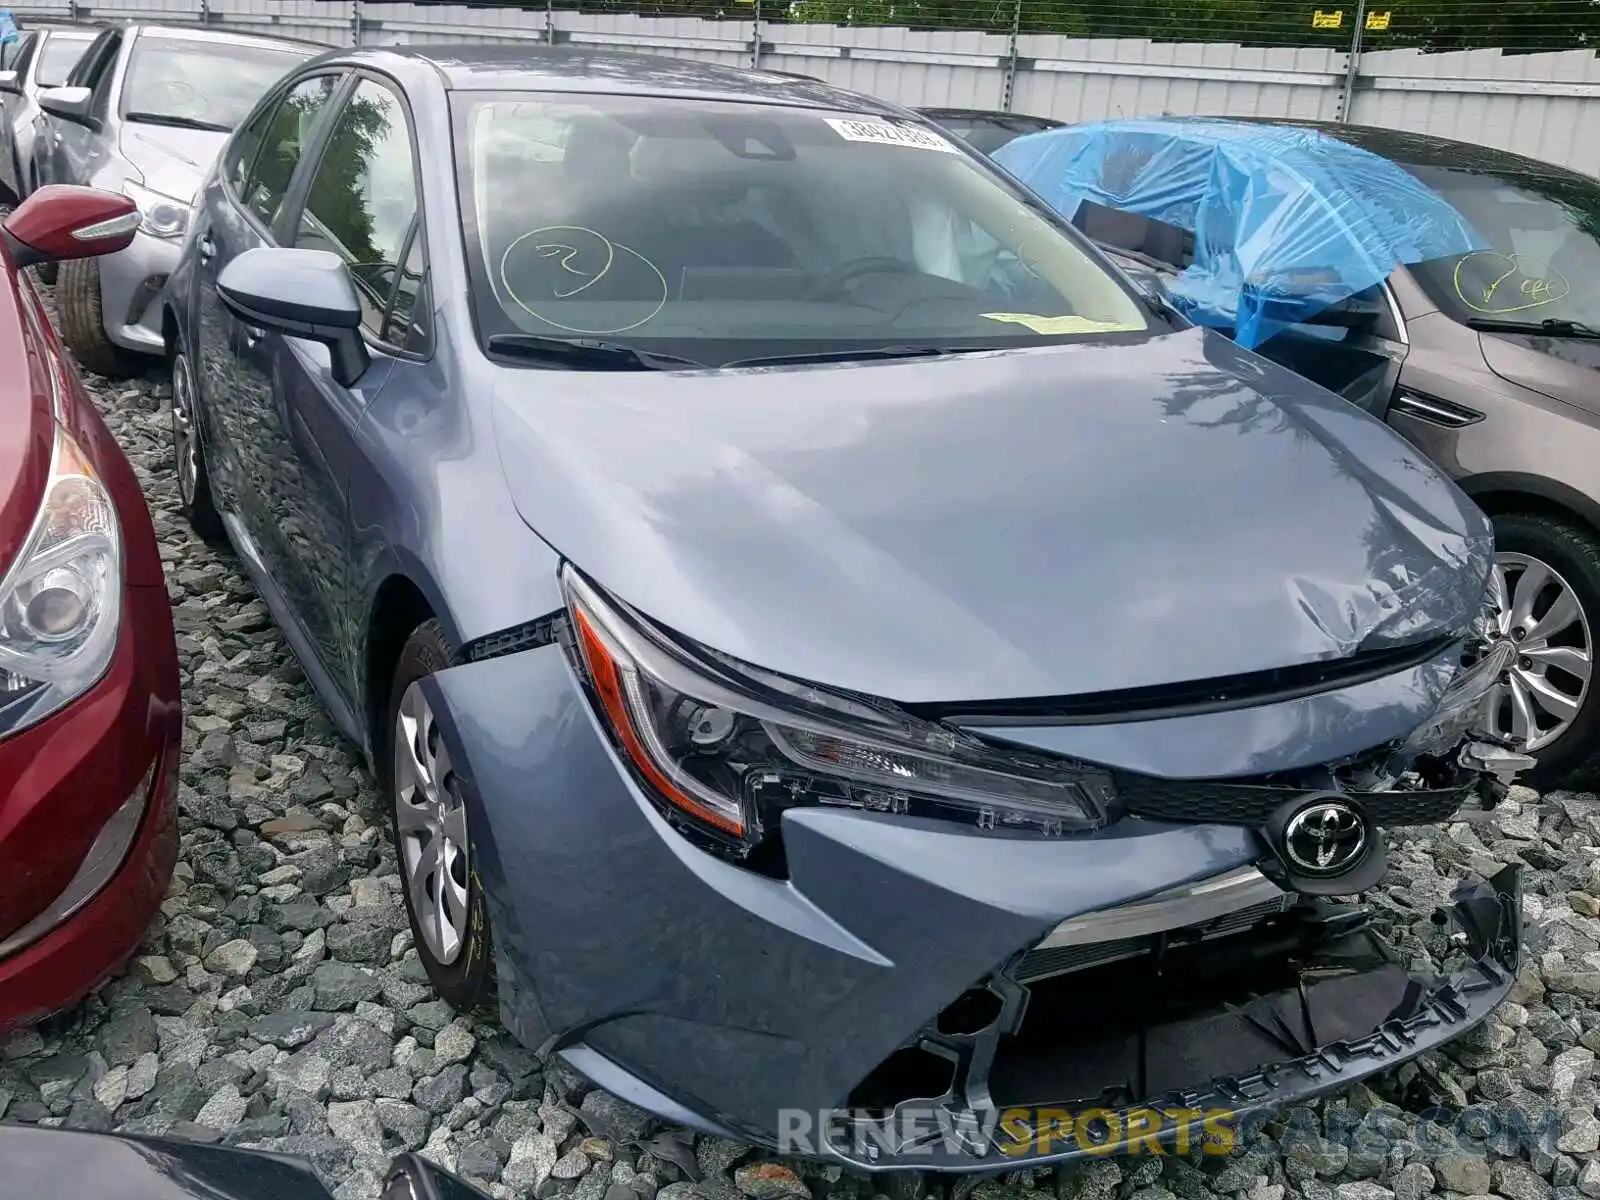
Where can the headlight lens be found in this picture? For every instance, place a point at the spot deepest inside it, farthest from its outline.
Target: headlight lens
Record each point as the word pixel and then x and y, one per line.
pixel 61 601
pixel 160 216
pixel 729 747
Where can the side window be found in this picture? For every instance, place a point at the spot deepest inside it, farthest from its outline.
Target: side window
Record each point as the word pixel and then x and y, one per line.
pixel 101 53
pixel 362 205
pixel 284 141
pixel 242 147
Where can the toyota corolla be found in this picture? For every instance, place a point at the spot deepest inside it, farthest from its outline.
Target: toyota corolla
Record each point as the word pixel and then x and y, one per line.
pixel 828 642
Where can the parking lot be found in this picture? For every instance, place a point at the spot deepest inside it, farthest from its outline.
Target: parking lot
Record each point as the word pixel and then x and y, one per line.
pixel 278 1003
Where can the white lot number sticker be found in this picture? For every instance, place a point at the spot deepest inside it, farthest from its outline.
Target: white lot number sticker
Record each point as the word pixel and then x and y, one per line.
pixel 885 134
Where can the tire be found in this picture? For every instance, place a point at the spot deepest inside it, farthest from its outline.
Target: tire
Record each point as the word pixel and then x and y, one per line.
pixel 195 496
pixel 1572 554
pixel 464 980
pixel 83 326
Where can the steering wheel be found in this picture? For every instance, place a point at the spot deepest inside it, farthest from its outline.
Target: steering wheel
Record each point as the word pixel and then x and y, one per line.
pixel 838 279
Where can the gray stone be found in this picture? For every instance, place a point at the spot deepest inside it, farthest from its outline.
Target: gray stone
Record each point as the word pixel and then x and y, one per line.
pixel 480 1160
pixel 531 1159
pixel 223 1110
pixel 1412 1182
pixel 570 1165
pixel 1465 1173
pixel 407 1122
pixel 612 1118
pixel 453 1044
pixel 340 986
pixel 767 1181
pixel 1581 1132
pixel 356 1123
pixel 126 1036
pixel 142 1075
pixel 291 1029
pixel 233 959
pixel 443 1091
pixel 1516 1181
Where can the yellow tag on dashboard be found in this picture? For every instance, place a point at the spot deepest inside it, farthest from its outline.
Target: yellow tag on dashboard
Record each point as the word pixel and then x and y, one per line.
pixel 1048 325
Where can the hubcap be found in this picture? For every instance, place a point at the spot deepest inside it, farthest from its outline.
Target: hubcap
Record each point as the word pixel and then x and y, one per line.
pixel 433 829
pixel 183 446
pixel 1537 614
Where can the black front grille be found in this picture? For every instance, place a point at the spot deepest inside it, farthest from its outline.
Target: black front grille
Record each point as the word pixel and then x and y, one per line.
pixel 1225 802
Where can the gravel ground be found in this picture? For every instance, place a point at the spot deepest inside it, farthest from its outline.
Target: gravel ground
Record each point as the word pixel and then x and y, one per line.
pixel 277 1003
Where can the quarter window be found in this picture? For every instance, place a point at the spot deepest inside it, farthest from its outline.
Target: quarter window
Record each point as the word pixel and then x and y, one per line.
pixel 362 205
pixel 285 141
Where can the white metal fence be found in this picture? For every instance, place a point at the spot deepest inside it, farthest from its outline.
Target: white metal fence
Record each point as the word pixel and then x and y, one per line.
pixel 1544 105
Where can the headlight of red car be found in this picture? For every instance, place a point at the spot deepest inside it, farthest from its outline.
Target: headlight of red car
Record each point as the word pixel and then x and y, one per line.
pixel 61 600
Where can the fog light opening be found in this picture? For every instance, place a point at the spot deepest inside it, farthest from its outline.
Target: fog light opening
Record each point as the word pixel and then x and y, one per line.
pixel 970 1013
pixel 910 1073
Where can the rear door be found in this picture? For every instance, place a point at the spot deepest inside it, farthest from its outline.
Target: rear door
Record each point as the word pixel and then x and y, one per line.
pixel 14 56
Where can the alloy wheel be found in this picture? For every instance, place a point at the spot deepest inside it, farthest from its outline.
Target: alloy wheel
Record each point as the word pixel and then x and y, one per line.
pixel 1536 611
pixel 183 441
pixel 432 824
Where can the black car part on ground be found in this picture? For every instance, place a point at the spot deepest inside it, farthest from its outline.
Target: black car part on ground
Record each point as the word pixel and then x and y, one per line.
pixel 1118 1040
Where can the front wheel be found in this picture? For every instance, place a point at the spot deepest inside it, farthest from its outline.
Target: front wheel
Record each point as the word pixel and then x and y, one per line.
pixel 1546 596
pixel 428 820
pixel 82 321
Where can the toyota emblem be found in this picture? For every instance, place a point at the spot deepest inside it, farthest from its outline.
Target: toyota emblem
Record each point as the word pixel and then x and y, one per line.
pixel 1325 838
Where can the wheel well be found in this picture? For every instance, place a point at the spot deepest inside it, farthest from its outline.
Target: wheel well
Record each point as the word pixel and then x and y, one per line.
pixel 1502 502
pixel 398 609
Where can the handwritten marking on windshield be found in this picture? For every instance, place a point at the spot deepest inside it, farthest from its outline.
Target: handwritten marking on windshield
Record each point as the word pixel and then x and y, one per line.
pixel 1055 325
pixel 556 242
pixel 1532 291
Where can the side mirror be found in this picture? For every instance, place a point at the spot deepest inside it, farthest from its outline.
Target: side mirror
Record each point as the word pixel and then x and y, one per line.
pixel 61 221
pixel 68 103
pixel 299 293
pixel 10 84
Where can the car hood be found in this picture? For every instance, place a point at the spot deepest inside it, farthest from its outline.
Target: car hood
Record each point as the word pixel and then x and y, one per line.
pixel 1046 522
pixel 1565 369
pixel 172 161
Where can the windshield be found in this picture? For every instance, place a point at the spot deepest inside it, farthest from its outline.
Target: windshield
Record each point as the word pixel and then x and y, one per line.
pixel 209 83
pixel 1543 261
pixel 721 232
pixel 60 53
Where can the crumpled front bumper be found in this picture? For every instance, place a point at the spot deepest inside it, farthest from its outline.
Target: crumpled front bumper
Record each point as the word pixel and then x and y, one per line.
pixel 759 1007
pixel 1315 1023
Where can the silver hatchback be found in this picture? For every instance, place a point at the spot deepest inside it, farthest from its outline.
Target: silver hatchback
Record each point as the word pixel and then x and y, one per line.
pixel 144 112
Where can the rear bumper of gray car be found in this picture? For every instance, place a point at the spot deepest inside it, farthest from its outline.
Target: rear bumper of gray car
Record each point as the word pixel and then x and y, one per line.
pixel 909 993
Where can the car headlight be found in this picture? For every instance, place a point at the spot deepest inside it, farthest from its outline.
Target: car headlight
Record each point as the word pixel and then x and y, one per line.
pixel 160 216
pixel 728 747
pixel 61 601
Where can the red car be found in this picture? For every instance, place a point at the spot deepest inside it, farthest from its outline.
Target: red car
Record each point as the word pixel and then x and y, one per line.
pixel 90 715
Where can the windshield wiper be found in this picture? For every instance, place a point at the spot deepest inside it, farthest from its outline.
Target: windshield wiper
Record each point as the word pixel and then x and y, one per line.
pixel 1549 327
pixel 585 351
pixel 866 354
pixel 146 118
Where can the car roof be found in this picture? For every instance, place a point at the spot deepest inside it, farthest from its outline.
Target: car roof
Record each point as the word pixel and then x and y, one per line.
pixel 478 67
pixel 201 33
pixel 1424 150
pixel 987 114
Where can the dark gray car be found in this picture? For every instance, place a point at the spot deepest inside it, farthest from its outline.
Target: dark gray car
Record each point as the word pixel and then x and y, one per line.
pixel 1490 362
pixel 828 644
pixel 144 112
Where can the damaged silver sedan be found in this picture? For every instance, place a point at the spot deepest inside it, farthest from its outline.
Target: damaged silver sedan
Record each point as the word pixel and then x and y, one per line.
pixel 897 695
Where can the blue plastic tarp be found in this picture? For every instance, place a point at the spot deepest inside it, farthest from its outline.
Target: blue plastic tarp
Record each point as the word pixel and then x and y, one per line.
pixel 8 27
pixel 1286 221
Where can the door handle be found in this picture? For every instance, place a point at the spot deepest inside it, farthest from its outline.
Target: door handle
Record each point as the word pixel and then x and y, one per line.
pixel 206 247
